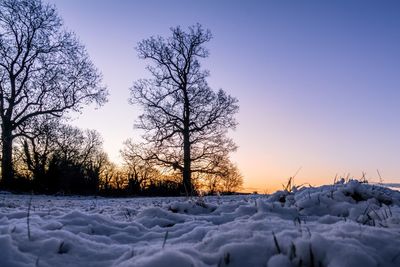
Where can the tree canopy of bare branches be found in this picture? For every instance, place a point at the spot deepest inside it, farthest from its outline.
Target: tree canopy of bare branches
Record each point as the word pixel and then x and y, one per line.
pixel 186 122
pixel 44 70
pixel 57 157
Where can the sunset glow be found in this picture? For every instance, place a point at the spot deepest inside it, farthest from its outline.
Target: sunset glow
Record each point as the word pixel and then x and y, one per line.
pixel 317 82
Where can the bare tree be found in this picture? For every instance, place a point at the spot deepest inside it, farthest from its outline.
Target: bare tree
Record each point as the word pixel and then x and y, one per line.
pixel 51 148
pixel 139 170
pixel 226 178
pixel 37 146
pixel 83 147
pixel 119 180
pixel 185 120
pixel 107 175
pixel 44 70
pixel 232 179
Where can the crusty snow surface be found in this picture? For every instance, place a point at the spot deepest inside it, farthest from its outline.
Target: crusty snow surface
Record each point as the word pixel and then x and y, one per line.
pixel 346 224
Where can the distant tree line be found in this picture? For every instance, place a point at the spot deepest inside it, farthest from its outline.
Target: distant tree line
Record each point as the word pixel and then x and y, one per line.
pixel 57 158
pixel 46 73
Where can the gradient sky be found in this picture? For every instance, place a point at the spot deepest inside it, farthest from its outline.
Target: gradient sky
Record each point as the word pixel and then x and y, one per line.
pixel 318 82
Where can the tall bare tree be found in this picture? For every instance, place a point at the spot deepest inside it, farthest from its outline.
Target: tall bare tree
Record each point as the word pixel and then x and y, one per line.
pixel 185 120
pixel 44 70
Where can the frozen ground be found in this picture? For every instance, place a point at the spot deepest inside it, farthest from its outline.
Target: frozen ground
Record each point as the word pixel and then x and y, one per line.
pixel 347 224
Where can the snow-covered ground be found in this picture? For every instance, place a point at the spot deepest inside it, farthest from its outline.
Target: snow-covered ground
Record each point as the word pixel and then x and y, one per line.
pixel 346 224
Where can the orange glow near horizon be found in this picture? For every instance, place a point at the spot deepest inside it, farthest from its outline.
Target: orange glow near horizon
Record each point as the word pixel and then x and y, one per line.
pixel 317 82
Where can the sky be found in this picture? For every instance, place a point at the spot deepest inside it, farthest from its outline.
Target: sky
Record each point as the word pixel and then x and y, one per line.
pixel 318 82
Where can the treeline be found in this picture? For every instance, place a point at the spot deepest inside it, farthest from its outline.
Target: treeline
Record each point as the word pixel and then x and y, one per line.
pixel 57 158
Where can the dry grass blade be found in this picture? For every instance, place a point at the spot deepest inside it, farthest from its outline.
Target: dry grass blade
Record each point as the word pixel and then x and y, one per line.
pixel 28 218
pixel 165 239
pixel 278 249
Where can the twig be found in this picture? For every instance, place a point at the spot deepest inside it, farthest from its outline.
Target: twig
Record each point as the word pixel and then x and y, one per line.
pixel 165 239
pixel 276 243
pixel 380 177
pixel 28 218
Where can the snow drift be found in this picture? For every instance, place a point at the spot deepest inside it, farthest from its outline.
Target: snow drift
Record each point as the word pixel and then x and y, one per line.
pixel 345 224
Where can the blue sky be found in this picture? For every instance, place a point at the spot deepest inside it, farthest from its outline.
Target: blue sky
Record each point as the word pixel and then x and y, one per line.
pixel 317 81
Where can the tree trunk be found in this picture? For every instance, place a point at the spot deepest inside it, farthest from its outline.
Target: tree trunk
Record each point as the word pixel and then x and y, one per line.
pixel 187 179
pixel 187 173
pixel 7 172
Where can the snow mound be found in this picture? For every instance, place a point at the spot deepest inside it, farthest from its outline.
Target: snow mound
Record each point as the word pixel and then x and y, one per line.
pixel 192 207
pixel 345 224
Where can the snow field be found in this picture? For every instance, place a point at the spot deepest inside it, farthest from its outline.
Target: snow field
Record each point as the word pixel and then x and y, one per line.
pixel 346 224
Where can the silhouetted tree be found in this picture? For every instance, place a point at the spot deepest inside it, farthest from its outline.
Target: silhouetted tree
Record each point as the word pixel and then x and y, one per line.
pixel 231 179
pixel 226 178
pixel 139 171
pixel 185 120
pixel 107 175
pixel 44 70
pixel 119 180
pixel 78 160
pixel 59 157
pixel 38 144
